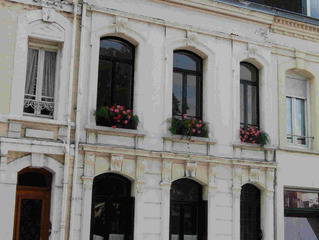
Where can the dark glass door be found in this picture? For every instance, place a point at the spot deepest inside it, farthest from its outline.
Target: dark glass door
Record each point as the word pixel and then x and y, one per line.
pixel 32 214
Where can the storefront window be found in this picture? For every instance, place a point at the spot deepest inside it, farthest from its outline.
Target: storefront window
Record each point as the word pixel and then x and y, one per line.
pixel 301 215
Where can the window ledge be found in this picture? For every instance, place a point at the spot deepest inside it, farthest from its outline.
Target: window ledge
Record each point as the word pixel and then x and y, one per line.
pixel 298 149
pixel 250 146
pixel 115 131
pixel 38 120
pixel 185 139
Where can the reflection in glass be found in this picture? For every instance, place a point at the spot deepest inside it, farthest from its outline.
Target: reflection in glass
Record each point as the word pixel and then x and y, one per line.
pixel 301 228
pixel 191 95
pixel 289 118
pixel 300 130
pixel 187 81
pixel 295 199
pixel 177 93
pixel 314 8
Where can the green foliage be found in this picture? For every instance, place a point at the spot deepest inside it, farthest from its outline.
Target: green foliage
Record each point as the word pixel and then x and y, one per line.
pixel 188 127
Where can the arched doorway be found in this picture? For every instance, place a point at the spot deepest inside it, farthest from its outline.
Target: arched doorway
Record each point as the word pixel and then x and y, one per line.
pixel 250 213
pixel 32 208
pixel 112 208
pixel 188 211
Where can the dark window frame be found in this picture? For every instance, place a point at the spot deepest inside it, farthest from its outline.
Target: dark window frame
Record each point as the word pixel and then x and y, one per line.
pixel 110 200
pixel 199 81
pixel 245 83
pixel 114 61
pixel 199 205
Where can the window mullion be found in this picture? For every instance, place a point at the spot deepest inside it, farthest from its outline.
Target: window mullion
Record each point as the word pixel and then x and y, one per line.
pixel 184 93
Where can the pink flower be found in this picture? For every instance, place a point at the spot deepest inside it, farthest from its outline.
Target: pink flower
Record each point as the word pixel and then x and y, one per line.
pixel 116 110
pixel 111 109
pixel 113 126
pixel 193 130
pixel 128 110
pixel 125 122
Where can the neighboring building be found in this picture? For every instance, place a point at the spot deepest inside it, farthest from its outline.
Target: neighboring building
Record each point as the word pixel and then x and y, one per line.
pixel 237 66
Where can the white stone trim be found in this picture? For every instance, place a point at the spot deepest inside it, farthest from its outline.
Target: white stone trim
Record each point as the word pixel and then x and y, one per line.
pixel 58 29
pixel 8 183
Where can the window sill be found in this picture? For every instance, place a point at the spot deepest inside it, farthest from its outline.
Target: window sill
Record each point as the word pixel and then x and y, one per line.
pixel 185 139
pixel 297 149
pixel 38 120
pixel 250 146
pixel 115 131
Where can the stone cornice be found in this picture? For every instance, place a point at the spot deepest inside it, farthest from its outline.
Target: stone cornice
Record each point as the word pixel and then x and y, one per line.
pixel 295 29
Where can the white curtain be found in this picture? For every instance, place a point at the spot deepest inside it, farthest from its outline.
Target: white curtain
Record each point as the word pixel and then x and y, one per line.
pixel 32 68
pixel 49 74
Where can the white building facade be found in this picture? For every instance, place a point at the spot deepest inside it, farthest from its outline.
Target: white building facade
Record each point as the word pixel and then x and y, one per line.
pixel 253 66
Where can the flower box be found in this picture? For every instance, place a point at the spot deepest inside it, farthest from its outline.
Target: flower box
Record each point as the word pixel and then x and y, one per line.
pixel 116 116
pixel 253 135
pixel 188 126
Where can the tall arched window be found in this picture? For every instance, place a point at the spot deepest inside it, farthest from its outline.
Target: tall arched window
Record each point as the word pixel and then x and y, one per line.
pixel 188 214
pixel 112 208
pixel 250 213
pixel 249 95
pixel 187 84
pixel 32 210
pixel 116 73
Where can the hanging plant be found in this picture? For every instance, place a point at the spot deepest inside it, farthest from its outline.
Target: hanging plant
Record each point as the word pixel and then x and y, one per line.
pixel 188 126
pixel 253 135
pixel 116 116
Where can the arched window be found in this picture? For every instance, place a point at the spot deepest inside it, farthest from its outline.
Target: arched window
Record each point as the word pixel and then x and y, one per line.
pixel 250 213
pixel 32 210
pixel 112 208
pixel 116 73
pixel 187 84
pixel 249 95
pixel 188 214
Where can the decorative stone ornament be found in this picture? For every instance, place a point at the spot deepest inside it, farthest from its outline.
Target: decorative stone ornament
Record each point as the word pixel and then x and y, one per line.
pixel 47 14
pixel 191 38
pixel 190 170
pixel 116 162
pixel 254 175
pixel 166 171
pixel 120 24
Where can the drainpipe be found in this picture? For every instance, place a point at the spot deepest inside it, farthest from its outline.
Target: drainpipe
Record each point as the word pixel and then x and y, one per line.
pixel 65 195
pixel 81 80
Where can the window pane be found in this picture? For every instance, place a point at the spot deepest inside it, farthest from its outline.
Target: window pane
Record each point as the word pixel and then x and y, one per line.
pixel 289 118
pixel 175 219
pixel 104 83
pixel 122 81
pixel 301 228
pixel 49 75
pixel 248 72
pixel 177 93
pixel 32 70
pixel 242 107
pixel 301 200
pixel 252 118
pixel 116 49
pixel 191 96
pixel 300 121
pixel 190 220
pixel 314 8
pixel 186 61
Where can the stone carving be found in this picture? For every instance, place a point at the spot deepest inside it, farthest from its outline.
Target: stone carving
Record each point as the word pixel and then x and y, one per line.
pixel 120 24
pixel 116 163
pixel 191 38
pixel 52 3
pixel 47 14
pixel 89 165
pixel 254 175
pixel 252 50
pixel 190 170
pixel 212 175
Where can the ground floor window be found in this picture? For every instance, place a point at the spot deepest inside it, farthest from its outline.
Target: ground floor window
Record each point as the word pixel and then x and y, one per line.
pixel 301 215
pixel 112 208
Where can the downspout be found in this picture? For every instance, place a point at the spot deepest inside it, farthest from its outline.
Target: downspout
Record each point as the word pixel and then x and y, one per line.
pixel 65 195
pixel 78 124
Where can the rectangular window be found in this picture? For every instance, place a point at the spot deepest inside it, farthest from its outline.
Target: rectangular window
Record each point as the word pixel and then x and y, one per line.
pixel 301 215
pixel 313 8
pixel 40 82
pixel 296 110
